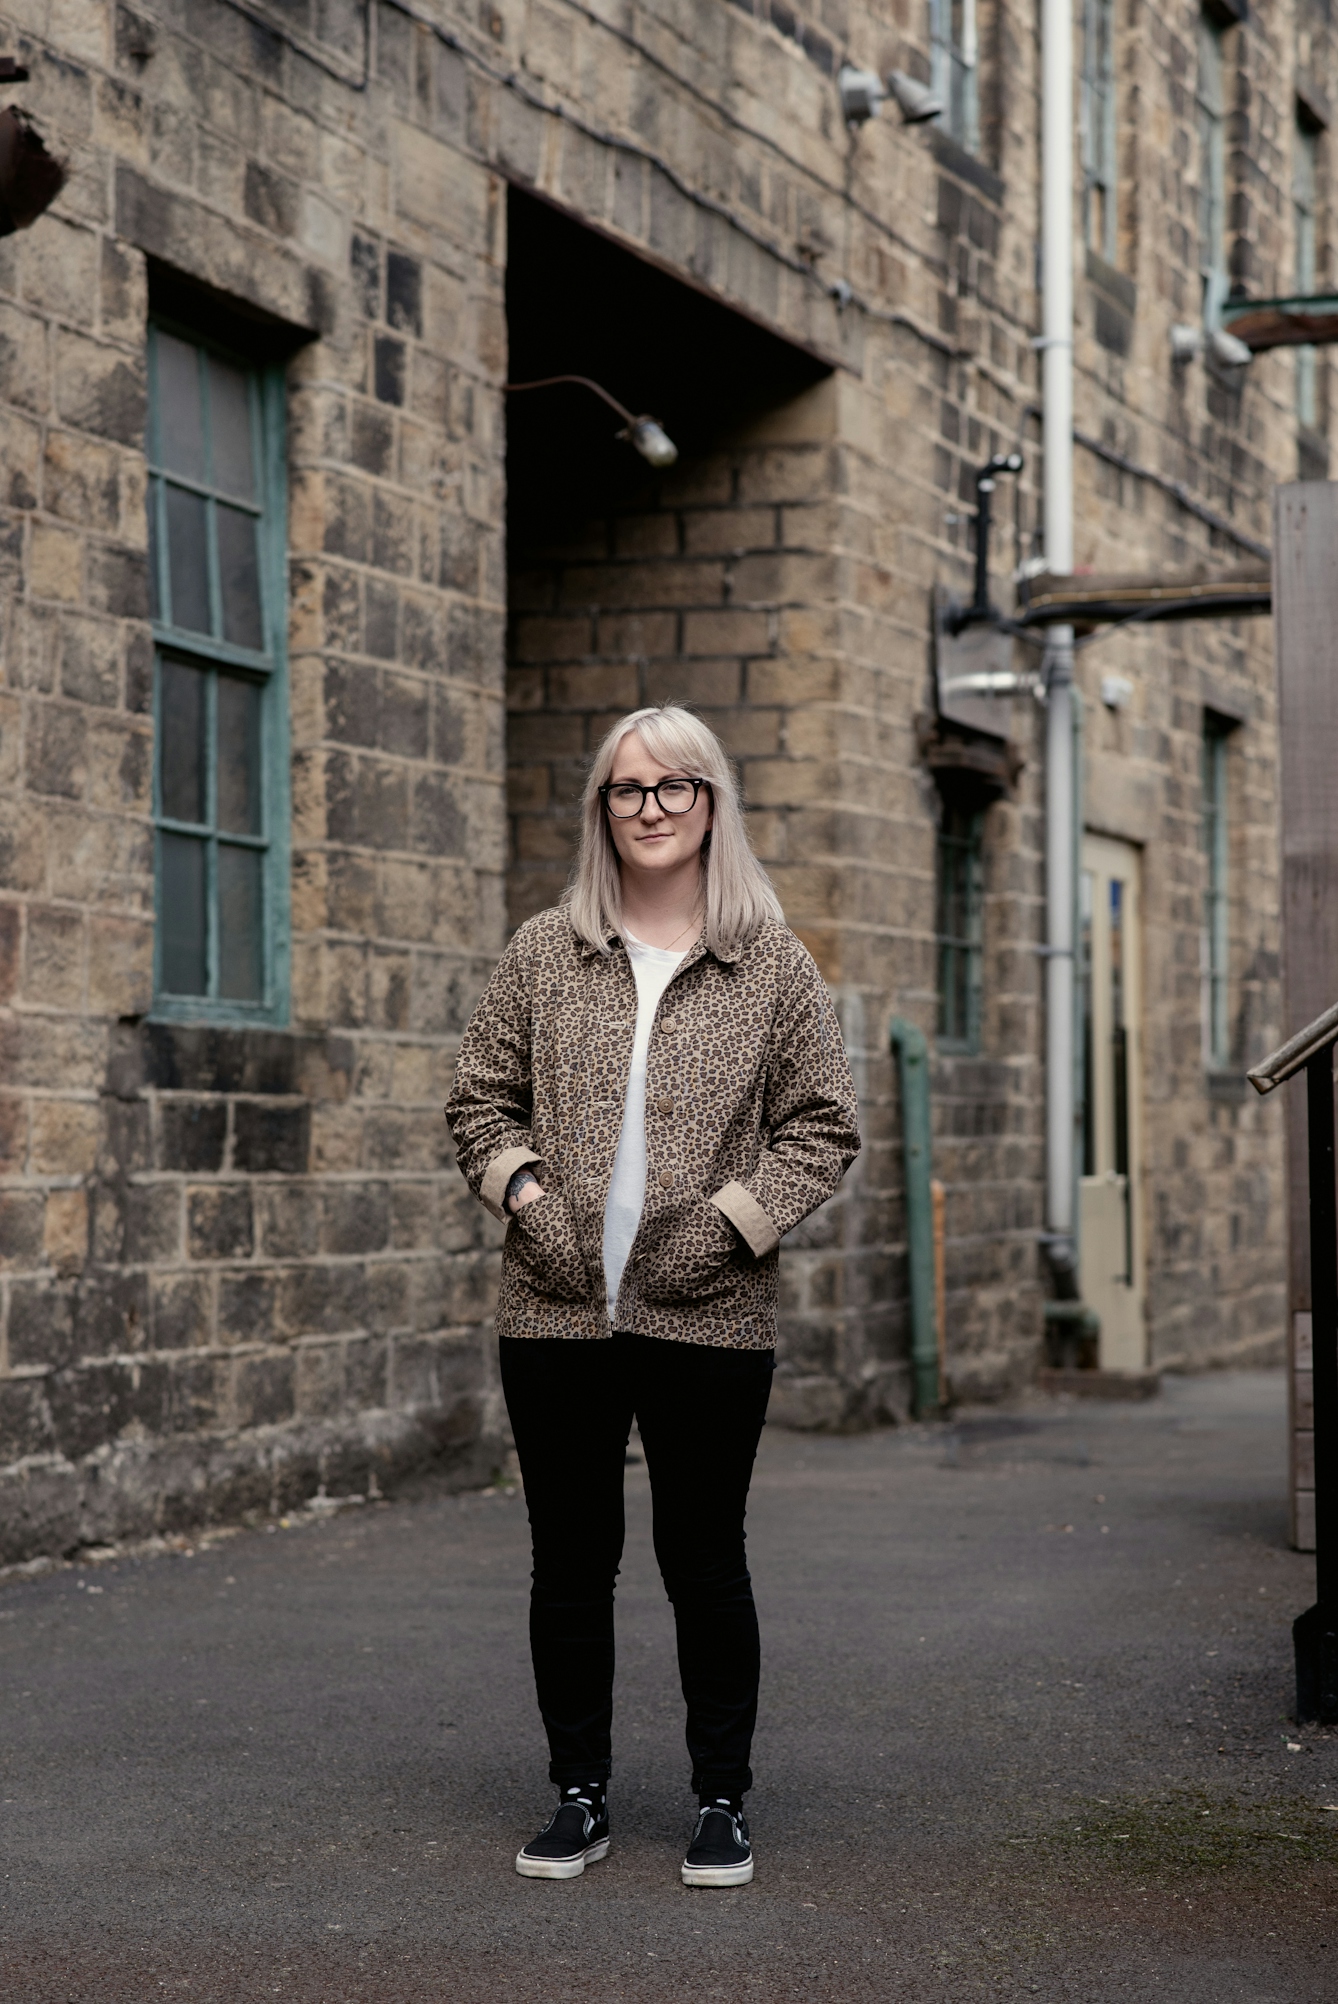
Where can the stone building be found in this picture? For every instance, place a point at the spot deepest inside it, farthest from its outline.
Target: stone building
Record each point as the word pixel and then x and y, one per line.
pixel 308 626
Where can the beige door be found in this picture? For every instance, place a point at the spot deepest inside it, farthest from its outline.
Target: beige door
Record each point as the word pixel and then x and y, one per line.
pixel 1112 1260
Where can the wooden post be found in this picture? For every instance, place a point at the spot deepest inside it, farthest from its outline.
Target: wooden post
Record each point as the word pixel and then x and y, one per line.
pixel 1305 610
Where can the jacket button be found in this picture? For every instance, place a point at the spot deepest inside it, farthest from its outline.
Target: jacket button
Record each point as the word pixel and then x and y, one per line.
pixel 666 1179
pixel 664 1106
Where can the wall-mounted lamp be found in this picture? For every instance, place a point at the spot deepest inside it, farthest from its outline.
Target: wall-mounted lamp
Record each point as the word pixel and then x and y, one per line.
pixel 915 101
pixel 645 433
pixel 861 94
pixel 30 177
pixel 863 91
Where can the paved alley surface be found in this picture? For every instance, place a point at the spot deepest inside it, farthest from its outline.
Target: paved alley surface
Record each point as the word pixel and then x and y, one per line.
pixel 1025 1735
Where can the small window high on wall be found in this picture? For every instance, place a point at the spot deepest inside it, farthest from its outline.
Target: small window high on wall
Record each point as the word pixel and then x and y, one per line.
pixel 1097 128
pixel 217 583
pixel 953 56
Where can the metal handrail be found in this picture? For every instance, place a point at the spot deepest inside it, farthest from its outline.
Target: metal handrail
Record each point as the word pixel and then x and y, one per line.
pixel 1297 1051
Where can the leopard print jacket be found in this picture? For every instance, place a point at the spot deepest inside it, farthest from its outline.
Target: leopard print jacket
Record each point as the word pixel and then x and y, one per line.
pixel 751 1122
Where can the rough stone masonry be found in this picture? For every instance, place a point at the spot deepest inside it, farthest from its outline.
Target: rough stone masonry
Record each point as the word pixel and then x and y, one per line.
pixel 237 1260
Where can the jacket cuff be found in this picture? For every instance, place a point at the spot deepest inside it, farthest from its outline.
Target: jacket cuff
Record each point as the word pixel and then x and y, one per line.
pixel 748 1218
pixel 498 1174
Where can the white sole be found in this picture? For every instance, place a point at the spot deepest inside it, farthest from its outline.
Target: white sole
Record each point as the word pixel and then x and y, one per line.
pixel 718 1875
pixel 562 1868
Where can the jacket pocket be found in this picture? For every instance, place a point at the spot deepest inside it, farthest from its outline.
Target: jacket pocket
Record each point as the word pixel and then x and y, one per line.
pixel 697 1257
pixel 541 1240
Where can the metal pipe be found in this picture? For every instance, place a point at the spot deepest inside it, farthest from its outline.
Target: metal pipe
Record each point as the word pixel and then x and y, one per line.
pixel 912 1054
pixel 1057 280
pixel 1315 1633
pixel 1060 899
pixel 980 605
pixel 1061 832
pixel 1297 1051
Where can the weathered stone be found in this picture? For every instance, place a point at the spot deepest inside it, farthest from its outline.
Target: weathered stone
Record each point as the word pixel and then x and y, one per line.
pixel 218 1221
pixel 192 1134
pixel 269 1139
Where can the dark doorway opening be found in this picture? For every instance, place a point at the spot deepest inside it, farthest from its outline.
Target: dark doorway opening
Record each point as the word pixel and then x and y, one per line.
pixel 578 304
pixel 628 584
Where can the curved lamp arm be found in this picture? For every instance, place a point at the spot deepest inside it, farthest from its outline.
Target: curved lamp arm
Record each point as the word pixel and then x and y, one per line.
pixel 645 433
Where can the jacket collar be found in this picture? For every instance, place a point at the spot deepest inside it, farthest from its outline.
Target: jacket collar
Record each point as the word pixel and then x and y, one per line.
pixel 726 957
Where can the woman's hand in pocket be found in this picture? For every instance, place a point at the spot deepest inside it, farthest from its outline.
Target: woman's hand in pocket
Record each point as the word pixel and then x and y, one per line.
pixel 542 1239
pixel 694 1259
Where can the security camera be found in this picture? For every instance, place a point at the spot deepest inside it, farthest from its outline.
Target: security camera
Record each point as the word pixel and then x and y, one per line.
pixel 915 101
pixel 1228 350
pixel 861 94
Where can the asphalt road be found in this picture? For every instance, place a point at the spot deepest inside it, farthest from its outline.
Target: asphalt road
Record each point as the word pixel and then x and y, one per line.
pixel 1024 1735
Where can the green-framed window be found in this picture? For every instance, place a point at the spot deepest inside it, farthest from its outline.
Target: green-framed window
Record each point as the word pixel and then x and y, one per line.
pixel 1215 958
pixel 961 897
pixel 217 566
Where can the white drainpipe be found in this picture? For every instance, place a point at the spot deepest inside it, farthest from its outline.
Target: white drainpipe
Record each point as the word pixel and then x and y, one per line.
pixel 1061 834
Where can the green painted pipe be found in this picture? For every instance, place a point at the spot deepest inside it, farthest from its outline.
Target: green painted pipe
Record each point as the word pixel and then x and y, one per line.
pixel 912 1054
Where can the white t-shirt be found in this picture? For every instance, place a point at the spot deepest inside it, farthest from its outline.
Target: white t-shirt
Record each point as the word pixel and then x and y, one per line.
pixel 653 969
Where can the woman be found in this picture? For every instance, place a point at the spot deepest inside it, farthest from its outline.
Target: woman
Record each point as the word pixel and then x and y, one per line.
pixel 653 1091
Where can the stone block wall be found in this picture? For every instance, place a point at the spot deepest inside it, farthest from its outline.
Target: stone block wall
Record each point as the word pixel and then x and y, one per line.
pixel 239 1262
pixel 236 1263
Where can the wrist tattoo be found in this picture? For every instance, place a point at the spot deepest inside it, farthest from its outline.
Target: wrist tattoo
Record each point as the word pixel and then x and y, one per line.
pixel 516 1185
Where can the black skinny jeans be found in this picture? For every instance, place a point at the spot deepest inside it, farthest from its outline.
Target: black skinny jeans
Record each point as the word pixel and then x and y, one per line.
pixel 700 1410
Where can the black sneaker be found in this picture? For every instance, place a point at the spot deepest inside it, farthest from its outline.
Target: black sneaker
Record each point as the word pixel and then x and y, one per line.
pixel 720 1853
pixel 576 1835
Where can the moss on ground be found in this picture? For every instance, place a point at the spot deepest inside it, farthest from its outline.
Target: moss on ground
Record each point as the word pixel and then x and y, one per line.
pixel 1189 1831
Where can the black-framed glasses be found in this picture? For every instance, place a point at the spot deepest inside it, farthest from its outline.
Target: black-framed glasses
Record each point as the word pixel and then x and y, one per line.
pixel 625 798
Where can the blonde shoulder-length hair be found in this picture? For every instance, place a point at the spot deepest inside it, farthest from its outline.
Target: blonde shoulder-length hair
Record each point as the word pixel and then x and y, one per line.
pixel 738 894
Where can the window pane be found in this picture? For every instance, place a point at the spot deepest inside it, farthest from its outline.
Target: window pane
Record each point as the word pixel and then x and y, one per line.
pixel 238 756
pixel 188 566
pixel 181 914
pixel 230 430
pixel 239 577
pixel 181 694
pixel 180 420
pixel 155 603
pixel 239 919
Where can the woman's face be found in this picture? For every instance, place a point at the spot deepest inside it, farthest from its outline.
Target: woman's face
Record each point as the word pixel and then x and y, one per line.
pixel 653 841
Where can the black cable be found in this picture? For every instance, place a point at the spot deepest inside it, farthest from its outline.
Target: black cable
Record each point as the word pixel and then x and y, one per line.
pixel 547 382
pixel 1178 492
